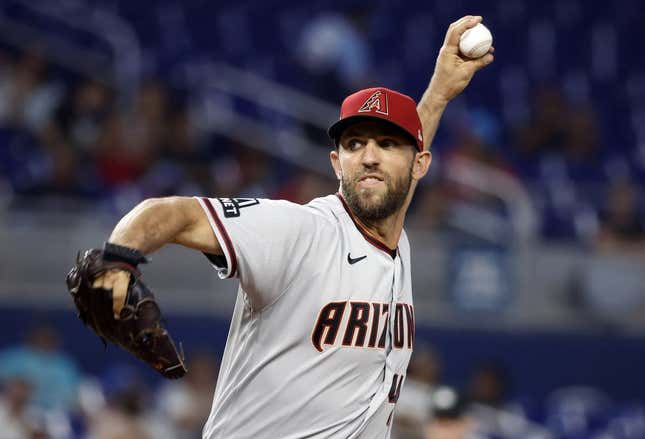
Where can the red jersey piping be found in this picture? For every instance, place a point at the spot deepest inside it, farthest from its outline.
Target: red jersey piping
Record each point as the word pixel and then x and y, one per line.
pixel 369 238
pixel 227 239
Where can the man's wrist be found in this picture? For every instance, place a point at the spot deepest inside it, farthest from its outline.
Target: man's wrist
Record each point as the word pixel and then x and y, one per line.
pixel 120 253
pixel 431 107
pixel 434 100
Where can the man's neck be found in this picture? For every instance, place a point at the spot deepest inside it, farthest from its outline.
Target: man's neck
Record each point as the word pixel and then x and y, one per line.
pixel 387 230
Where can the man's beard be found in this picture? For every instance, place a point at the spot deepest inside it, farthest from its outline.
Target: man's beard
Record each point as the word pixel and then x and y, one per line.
pixel 388 204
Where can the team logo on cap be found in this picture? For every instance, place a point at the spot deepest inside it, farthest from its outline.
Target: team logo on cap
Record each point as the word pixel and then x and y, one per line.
pixel 376 102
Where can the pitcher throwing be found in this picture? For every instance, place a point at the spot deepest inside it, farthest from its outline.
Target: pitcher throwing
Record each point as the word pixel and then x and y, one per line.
pixel 323 326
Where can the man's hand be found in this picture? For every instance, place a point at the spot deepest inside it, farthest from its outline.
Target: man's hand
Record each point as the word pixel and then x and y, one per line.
pixel 117 281
pixel 453 71
pixel 452 74
pixel 96 283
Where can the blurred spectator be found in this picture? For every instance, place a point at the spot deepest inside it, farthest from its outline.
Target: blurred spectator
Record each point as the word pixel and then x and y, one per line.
pixel 415 402
pixel 70 138
pixel 489 385
pixel 17 420
pixel 125 415
pixel 51 373
pixel 27 96
pixel 492 410
pixel 255 178
pixel 576 411
pixel 305 187
pixel 334 52
pixel 81 115
pixel 622 225
pixel 183 166
pixel 475 152
pixel 582 141
pixel 129 143
pixel 118 161
pixel 474 184
pixel 610 284
pixel 122 418
pixel 62 176
pixel 187 402
pixel 448 419
pixel 147 122
pixel 477 134
pixel 429 210
pixel 547 130
pixel 180 144
pixel 559 128
pixel 335 58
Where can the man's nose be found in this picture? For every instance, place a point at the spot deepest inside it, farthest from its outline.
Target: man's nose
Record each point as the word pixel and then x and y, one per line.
pixel 371 153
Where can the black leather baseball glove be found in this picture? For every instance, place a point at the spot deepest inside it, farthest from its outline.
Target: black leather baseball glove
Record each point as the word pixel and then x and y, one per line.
pixel 139 329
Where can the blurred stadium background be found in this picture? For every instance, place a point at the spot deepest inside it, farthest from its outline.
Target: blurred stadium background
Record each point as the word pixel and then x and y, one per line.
pixel 528 236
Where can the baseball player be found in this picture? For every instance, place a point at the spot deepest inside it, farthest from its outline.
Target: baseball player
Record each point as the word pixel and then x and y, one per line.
pixel 323 326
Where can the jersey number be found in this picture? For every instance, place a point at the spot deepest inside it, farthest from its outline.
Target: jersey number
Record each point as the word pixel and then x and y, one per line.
pixel 395 389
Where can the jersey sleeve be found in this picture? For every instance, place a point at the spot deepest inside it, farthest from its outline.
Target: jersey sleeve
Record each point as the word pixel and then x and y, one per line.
pixel 265 243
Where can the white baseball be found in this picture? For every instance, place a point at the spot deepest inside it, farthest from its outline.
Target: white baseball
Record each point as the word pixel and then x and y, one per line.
pixel 476 41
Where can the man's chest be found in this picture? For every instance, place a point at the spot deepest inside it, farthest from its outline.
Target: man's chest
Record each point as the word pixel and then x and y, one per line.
pixel 361 299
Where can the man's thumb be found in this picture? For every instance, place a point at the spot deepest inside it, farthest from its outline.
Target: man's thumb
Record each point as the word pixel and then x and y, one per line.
pixel 482 62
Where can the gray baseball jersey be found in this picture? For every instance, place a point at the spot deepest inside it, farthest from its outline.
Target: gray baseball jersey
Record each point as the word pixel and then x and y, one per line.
pixel 323 326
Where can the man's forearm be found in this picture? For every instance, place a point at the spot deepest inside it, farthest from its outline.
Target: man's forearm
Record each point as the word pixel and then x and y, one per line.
pixel 430 109
pixel 451 75
pixel 150 225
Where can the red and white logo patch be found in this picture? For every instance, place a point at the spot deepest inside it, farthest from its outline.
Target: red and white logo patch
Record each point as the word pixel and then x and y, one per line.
pixel 376 102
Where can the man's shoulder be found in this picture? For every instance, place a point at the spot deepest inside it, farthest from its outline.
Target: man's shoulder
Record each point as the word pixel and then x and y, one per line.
pixel 328 203
pixel 322 210
pixel 328 207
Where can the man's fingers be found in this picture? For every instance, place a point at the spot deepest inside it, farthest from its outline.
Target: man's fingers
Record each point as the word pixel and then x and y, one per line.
pixel 117 281
pixel 457 28
pixel 452 26
pixel 98 282
pixel 120 282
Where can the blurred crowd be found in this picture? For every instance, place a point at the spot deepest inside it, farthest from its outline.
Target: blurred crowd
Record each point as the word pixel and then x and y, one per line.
pixel 548 176
pixel 63 135
pixel 45 393
pixel 72 137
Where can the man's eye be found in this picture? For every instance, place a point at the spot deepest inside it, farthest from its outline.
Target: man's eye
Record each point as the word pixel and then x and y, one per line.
pixel 388 143
pixel 354 143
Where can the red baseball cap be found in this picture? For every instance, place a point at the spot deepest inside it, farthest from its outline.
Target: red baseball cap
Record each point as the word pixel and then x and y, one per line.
pixel 380 103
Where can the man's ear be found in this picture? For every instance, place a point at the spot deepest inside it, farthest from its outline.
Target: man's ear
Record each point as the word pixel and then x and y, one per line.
pixel 421 164
pixel 335 163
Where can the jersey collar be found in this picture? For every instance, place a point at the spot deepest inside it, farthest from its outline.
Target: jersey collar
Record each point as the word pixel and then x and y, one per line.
pixel 369 238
